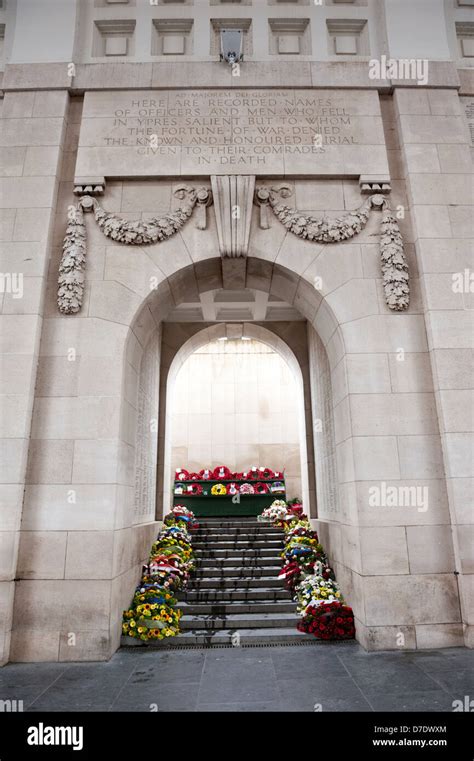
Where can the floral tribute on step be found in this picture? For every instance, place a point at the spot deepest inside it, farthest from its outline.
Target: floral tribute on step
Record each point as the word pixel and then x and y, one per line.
pixel 153 614
pixel 307 575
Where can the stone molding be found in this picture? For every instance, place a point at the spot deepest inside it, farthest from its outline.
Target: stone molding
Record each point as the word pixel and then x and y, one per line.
pixel 90 186
pixel 233 199
pixel 139 75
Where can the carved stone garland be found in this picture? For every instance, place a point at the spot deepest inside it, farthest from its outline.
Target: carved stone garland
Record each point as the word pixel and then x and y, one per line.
pixel 155 229
pixel 139 232
pixel 393 261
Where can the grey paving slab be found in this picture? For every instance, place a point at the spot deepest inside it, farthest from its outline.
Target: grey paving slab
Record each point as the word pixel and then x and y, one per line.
pixel 342 704
pixel 410 700
pixel 245 707
pixel 316 690
pixel 239 686
pixel 392 672
pixel 163 697
pixel 168 669
pixel 83 687
pixel 337 676
pixel 295 663
pixel 444 660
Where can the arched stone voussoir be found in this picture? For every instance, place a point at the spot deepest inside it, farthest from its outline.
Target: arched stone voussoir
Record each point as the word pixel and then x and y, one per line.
pixel 209 274
pixel 307 299
pixel 325 322
pixel 183 285
pixel 259 273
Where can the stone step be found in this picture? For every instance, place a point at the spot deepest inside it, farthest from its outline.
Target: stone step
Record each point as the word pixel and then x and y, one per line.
pixel 229 582
pixel 228 595
pixel 252 536
pixel 239 621
pixel 264 528
pixel 239 555
pixel 219 637
pixel 238 545
pixel 236 571
pixel 236 607
pixel 245 562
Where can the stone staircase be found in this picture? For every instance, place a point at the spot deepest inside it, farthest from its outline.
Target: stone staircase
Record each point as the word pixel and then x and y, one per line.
pixel 234 596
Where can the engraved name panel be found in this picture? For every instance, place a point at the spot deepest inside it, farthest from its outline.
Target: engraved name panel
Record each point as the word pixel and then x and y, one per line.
pixel 258 131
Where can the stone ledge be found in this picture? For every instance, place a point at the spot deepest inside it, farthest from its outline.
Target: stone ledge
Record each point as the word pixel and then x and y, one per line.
pixel 202 74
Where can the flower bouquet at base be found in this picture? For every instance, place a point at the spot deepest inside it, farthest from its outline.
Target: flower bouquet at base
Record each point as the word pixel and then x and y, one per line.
pixel 153 613
pixel 314 589
pixel 151 621
pixel 308 576
pixel 331 620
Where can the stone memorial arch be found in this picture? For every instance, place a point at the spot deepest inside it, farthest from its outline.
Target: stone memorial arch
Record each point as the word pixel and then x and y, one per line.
pixel 150 228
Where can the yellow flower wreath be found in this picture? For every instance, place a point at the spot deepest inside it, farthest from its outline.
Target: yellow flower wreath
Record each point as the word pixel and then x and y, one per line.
pixel 218 489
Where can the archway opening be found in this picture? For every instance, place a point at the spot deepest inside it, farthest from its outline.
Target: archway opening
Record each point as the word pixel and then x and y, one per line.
pixel 236 401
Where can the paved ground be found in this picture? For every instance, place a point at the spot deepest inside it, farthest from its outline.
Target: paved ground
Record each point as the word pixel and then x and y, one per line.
pixel 339 677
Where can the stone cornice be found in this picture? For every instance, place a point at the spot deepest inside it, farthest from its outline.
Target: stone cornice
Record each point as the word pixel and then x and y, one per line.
pixel 202 74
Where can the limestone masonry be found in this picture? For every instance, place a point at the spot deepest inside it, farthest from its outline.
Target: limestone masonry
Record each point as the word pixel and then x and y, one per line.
pixel 156 200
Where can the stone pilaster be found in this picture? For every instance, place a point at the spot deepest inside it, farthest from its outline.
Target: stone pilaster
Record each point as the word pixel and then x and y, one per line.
pixel 34 126
pixel 435 149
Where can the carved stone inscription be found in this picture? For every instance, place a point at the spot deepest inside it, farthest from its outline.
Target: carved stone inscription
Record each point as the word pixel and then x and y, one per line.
pixel 165 132
pixel 469 110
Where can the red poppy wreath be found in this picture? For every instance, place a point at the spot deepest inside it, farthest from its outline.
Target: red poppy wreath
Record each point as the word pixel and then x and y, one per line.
pixel 194 489
pixel 221 473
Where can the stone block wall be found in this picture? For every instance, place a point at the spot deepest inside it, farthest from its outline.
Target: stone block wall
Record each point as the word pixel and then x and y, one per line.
pixel 34 139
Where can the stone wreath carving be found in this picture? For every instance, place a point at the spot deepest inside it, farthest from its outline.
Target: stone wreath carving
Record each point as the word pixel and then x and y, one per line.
pixel 393 261
pixel 139 232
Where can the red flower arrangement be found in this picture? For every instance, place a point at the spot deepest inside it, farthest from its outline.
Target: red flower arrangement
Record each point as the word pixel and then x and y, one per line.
pixel 222 473
pixel 261 488
pixel 290 573
pixel 295 507
pixel 194 489
pixel 331 620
